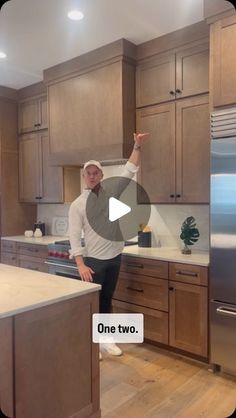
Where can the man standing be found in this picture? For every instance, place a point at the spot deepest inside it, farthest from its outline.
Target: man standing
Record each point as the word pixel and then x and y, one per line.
pixel 99 261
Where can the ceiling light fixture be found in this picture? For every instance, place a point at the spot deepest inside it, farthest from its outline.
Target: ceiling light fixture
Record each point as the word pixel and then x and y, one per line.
pixel 3 55
pixel 75 15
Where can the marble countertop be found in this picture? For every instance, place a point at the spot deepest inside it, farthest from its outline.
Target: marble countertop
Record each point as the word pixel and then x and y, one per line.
pixel 23 290
pixel 200 258
pixel 45 240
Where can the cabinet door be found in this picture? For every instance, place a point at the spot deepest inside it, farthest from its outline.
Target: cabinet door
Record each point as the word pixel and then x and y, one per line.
pixel 155 80
pixel 223 41
pixel 51 178
pixel 29 168
pixel 28 116
pixel 157 168
pixel 192 71
pixel 32 115
pixel 193 150
pixel 9 258
pixel 188 318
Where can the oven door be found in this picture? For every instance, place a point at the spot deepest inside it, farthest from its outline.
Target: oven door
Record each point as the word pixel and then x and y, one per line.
pixel 61 270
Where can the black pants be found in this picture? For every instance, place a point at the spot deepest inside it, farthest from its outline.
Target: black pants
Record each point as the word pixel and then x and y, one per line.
pixel 106 274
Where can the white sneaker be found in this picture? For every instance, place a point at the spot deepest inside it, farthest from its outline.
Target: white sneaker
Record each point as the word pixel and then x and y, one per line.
pixel 100 356
pixel 111 348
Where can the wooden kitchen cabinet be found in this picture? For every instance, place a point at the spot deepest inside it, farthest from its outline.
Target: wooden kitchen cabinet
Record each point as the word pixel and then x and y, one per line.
pixel 174 304
pixel 178 154
pixel 32 114
pixel 39 182
pixel 93 112
pixel 223 61
pixel 25 255
pixel 170 76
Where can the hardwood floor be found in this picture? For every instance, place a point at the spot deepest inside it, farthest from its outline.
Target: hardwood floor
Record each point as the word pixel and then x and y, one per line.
pixel 147 382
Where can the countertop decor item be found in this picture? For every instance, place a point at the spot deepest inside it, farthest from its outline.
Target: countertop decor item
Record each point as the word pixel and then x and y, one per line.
pixel 189 234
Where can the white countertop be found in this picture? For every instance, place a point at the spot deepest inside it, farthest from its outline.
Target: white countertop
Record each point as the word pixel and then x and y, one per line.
pixel 45 240
pixel 200 258
pixel 23 290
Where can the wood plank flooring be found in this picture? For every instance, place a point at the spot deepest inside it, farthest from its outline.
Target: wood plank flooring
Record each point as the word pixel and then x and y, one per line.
pixel 147 382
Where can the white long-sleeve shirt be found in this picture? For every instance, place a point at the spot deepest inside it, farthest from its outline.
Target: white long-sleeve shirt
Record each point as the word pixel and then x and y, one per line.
pixel 95 245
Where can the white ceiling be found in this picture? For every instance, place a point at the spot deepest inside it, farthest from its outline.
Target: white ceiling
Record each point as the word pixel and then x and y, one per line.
pixel 36 34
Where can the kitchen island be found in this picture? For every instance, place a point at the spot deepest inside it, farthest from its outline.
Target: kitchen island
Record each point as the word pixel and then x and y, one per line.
pixel 49 366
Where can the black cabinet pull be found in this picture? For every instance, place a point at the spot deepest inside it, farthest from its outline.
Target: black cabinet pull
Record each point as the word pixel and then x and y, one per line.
pixel 134 289
pixel 172 195
pixel 178 91
pixel 172 92
pixel 186 273
pixel 171 288
pixel 135 265
pixel 178 195
pixel 38 197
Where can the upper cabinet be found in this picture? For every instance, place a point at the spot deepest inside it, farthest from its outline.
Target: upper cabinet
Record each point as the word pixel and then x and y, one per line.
pixel 32 115
pixel 223 64
pixel 172 76
pixel 91 105
pixel 176 158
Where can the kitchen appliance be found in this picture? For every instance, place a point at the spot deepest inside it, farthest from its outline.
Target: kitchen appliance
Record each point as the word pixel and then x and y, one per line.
pixel 59 261
pixel 223 240
pixel 41 226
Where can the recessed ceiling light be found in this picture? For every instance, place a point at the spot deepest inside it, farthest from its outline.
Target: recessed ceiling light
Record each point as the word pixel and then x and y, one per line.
pixel 3 55
pixel 75 15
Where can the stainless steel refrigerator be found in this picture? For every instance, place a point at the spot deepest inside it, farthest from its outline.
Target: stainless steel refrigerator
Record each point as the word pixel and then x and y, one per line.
pixel 223 240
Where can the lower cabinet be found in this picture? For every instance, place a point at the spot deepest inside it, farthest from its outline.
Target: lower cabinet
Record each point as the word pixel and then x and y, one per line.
pixel 175 305
pixel 28 256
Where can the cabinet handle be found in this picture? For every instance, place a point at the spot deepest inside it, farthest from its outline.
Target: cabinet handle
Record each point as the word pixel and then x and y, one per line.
pixel 172 92
pixel 171 288
pixel 135 290
pixel 178 195
pixel 178 91
pixel 139 266
pixel 172 195
pixel 38 197
pixel 187 273
pixel 33 250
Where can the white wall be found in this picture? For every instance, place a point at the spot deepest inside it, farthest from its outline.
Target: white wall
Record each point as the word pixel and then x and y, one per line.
pixel 165 220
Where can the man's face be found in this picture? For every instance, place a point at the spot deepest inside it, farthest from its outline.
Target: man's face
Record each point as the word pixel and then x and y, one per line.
pixel 92 176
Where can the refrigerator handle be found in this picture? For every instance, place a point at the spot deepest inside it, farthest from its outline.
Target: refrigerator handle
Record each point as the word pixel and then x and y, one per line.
pixel 226 311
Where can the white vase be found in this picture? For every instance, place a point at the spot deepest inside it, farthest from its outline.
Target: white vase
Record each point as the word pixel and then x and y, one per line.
pixel 38 233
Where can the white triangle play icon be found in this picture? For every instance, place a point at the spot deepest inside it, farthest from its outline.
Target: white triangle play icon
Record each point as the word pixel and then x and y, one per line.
pixel 117 209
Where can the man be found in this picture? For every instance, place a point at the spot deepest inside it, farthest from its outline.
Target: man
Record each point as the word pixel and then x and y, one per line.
pixel 100 262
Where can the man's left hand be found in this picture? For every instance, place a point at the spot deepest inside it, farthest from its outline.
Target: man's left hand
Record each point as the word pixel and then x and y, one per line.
pixel 139 138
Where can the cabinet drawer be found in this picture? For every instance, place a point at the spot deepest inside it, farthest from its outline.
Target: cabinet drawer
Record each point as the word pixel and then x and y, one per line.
pixel 8 258
pixel 145 266
pixel 32 263
pixel 188 273
pixel 32 250
pixel 141 290
pixel 9 246
pixel 155 322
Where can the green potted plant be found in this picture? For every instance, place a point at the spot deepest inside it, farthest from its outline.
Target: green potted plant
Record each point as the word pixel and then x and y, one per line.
pixel 189 234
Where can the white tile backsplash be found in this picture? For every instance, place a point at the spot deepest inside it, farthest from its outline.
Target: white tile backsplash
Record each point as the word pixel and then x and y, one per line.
pixel 165 220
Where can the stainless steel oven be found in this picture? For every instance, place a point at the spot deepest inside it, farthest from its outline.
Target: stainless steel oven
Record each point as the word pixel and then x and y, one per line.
pixel 62 270
pixel 59 261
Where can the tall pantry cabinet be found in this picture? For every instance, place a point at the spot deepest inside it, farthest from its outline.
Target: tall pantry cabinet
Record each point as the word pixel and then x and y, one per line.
pixel 172 104
pixel 14 216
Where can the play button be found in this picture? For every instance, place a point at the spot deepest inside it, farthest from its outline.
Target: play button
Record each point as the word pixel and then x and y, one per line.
pixel 117 209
